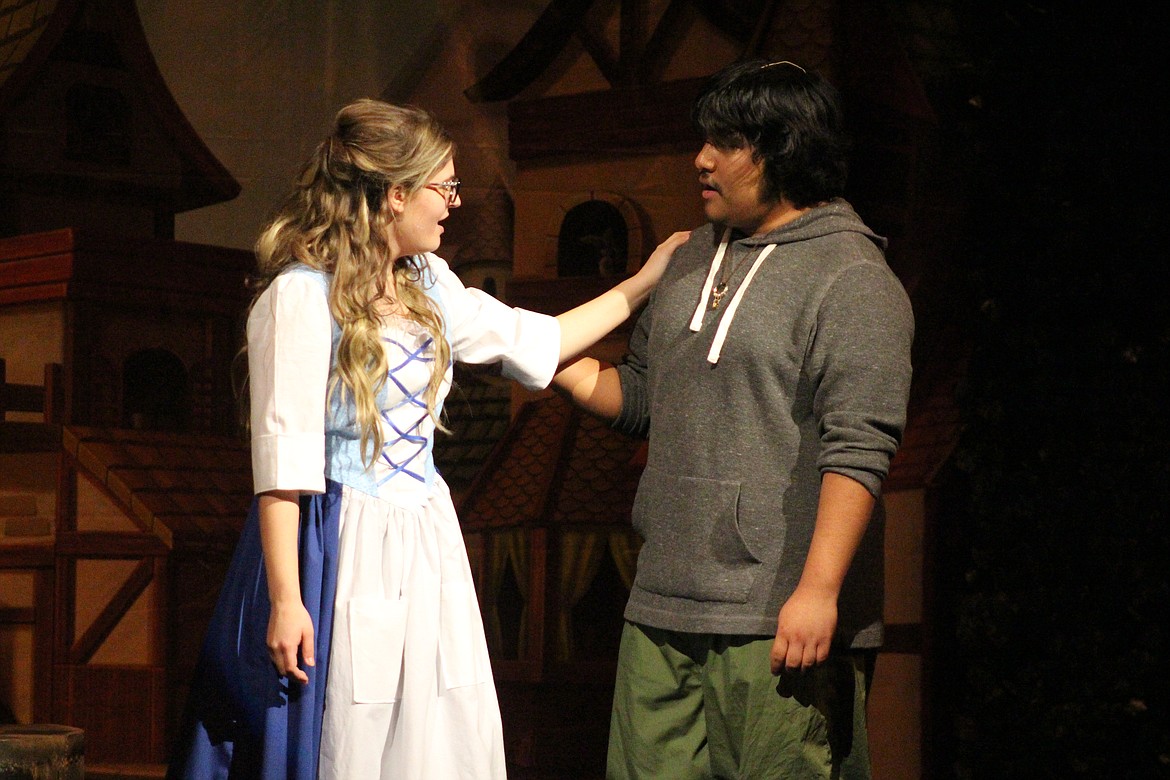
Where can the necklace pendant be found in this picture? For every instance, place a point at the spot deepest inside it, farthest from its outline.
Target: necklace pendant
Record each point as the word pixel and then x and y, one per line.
pixel 717 294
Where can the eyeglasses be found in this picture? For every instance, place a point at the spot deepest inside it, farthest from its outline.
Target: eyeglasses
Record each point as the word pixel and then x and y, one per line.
pixel 449 189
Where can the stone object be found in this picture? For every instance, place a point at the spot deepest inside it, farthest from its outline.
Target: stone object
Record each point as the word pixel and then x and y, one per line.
pixel 42 752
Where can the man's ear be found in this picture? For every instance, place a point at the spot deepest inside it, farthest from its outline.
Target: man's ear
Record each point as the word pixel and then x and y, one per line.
pixel 396 198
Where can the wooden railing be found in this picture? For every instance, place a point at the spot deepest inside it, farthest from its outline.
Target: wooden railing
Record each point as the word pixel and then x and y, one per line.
pixel 34 561
pixel 47 399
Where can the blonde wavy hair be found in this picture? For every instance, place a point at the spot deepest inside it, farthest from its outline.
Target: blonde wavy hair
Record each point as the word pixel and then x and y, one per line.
pixel 337 220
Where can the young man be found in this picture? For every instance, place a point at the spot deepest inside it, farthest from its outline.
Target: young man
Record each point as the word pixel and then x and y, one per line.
pixel 770 371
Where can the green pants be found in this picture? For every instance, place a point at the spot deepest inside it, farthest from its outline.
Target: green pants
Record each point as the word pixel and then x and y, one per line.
pixel 698 706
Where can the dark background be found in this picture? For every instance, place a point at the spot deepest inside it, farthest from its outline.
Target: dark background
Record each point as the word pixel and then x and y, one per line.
pixel 1054 576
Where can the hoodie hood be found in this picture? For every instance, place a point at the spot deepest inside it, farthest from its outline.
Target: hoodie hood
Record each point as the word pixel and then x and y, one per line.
pixel 836 216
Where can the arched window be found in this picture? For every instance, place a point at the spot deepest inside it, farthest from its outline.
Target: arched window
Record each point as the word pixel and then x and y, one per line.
pixel 156 392
pixel 593 241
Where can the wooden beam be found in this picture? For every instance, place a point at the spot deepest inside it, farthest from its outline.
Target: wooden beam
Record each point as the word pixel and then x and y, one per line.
pixel 42 671
pixel 107 620
pixel 646 119
pixel 537 598
pixel 26 437
pixel 632 40
pixel 535 52
pixel 601 52
pixel 22 398
pixel 26 556
pixel 37 271
pixel 664 40
pixel 759 33
pixel 734 19
pixel 64 627
pixel 54 394
pixel 18 616
pixel 109 545
pixel 38 293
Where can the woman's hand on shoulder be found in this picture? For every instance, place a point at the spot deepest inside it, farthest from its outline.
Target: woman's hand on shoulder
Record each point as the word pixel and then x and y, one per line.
pixel 656 264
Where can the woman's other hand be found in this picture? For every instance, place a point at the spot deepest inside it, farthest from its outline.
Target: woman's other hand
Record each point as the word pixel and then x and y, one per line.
pixel 290 633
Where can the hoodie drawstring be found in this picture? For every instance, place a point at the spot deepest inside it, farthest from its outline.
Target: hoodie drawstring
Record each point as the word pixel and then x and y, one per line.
pixel 697 320
pixel 729 314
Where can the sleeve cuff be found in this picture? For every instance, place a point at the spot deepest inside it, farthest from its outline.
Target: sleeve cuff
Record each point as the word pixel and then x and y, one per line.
pixel 288 462
pixel 868 480
pixel 534 362
pixel 634 417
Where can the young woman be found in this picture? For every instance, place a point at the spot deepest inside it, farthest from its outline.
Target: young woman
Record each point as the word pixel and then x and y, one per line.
pixel 347 642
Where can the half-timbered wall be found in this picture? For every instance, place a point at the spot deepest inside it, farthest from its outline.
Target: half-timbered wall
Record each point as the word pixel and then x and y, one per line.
pixel 108 675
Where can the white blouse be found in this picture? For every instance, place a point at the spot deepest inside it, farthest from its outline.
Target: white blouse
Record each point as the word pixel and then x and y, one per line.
pixel 291 345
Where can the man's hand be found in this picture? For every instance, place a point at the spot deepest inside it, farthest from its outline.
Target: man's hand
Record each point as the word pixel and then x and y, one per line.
pixel 808 620
pixel 804 630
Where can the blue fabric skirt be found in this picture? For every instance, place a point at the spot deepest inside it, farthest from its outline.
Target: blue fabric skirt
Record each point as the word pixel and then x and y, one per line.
pixel 242 720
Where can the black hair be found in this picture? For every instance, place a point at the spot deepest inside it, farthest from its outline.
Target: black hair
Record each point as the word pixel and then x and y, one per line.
pixel 791 120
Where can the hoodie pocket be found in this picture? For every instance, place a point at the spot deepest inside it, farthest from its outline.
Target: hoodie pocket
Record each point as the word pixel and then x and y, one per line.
pixel 377 631
pixel 693 546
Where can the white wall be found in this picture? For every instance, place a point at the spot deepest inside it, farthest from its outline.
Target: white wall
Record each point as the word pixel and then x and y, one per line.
pixel 260 81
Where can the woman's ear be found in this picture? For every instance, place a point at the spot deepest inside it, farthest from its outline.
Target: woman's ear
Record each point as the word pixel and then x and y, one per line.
pixel 396 198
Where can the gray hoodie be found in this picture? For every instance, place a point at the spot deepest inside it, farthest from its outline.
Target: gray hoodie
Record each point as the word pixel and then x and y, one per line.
pixel 812 375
